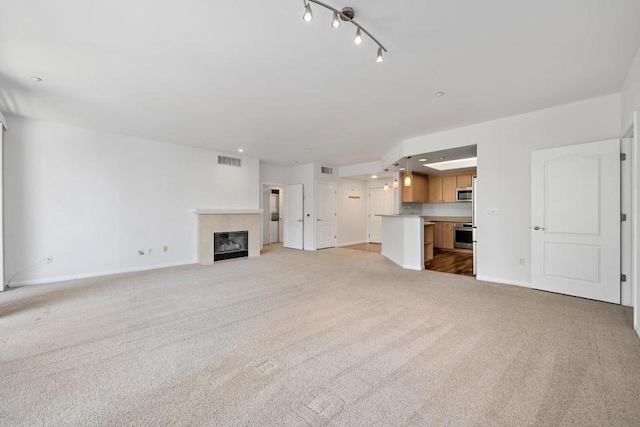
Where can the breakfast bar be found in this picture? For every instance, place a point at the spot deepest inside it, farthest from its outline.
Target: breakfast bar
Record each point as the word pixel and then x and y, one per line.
pixel 407 240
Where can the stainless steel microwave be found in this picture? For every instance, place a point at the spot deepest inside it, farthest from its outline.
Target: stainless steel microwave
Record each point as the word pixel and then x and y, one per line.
pixel 464 194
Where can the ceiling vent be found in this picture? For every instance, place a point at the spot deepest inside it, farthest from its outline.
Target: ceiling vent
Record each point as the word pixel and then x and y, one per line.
pixel 231 161
pixel 326 169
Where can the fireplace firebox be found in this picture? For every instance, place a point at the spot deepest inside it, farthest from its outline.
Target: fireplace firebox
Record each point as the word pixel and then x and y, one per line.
pixel 231 244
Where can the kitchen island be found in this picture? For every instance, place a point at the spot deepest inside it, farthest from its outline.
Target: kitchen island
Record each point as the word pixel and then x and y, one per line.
pixel 407 240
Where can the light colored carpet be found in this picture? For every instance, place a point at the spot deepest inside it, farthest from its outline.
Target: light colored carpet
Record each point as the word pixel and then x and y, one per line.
pixel 336 337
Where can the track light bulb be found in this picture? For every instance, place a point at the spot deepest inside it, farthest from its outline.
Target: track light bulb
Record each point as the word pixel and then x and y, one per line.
pixel 308 13
pixel 336 20
pixel 380 58
pixel 358 38
pixel 396 185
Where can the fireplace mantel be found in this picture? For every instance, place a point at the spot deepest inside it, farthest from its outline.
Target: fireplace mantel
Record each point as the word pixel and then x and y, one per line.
pixel 212 221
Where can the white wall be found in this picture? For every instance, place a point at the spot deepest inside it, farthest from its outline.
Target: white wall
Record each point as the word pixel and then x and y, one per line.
pixel 504 173
pixel 271 174
pixel 630 94
pixel 93 199
pixel 2 278
pixel 352 213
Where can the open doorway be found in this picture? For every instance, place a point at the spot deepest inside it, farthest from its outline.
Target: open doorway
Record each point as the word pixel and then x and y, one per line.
pixel 272 208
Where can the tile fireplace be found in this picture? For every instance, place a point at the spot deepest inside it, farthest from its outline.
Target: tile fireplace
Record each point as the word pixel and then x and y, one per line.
pixel 219 238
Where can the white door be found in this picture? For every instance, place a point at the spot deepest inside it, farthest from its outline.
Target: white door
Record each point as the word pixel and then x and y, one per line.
pixel 380 203
pixel 326 215
pixel 575 213
pixel 293 216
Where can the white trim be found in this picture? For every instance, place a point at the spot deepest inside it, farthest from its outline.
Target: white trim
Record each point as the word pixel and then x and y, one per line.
pixel 504 281
pixel 359 242
pixel 3 121
pixel 102 273
pixel 637 329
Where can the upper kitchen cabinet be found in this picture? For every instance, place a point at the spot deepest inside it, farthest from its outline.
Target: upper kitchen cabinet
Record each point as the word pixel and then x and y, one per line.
pixel 464 181
pixel 442 188
pixel 418 191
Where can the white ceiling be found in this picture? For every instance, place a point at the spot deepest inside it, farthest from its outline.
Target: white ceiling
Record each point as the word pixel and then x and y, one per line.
pixel 225 75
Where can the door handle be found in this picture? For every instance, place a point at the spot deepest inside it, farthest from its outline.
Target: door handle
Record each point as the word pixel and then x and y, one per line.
pixel 299 220
pixel 538 228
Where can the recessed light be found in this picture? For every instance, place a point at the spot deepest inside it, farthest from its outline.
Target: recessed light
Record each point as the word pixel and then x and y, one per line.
pixel 240 150
pixel 422 160
pixel 439 94
pixel 470 162
pixel 401 169
pixel 374 176
pixel 441 158
pixel 36 79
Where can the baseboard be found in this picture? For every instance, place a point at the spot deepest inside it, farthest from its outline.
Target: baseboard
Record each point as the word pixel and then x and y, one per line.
pixel 637 328
pixel 359 242
pixel 504 281
pixel 99 274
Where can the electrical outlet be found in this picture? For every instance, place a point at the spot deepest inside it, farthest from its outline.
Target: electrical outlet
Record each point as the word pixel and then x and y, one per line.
pixel 50 259
pixel 149 251
pixel 493 212
pixel 165 248
pixel 522 261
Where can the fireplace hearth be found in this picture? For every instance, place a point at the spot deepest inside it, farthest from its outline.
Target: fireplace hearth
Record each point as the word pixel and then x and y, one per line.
pixel 231 244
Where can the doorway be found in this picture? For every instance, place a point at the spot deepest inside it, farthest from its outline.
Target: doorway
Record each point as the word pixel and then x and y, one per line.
pixel 575 213
pixel 326 215
pixel 272 214
pixel 380 203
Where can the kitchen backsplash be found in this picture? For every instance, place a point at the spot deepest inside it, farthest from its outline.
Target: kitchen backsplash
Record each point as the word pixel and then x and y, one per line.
pixel 446 209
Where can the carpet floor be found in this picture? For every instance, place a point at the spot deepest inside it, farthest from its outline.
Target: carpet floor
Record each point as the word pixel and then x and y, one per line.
pixel 335 337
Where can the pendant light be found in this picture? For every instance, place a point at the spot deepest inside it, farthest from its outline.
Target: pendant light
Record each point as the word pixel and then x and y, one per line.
pixel 395 184
pixel 308 14
pixel 386 187
pixel 358 38
pixel 407 177
pixel 380 58
pixel 336 20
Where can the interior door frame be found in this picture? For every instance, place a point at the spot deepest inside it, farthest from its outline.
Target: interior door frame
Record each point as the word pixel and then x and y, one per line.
pixel 264 186
pixel 335 223
pixel 634 155
pixel 375 186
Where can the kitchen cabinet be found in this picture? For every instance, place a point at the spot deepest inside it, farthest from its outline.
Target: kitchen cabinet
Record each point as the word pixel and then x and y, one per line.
pixel 447 235
pixel 464 181
pixel 449 184
pixel 428 241
pixel 437 235
pixel 435 189
pixel 418 191
pixel 443 235
pixel 442 188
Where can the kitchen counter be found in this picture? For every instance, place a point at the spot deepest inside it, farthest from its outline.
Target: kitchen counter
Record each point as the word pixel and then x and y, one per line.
pixel 448 218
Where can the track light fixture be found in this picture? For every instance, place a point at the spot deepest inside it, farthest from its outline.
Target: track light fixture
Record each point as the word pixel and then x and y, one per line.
pixel 346 14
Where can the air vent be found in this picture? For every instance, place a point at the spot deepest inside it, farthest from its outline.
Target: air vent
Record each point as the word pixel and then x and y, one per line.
pixel 229 161
pixel 326 169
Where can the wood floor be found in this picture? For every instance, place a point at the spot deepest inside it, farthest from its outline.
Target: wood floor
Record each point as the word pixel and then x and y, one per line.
pixel 451 262
pixel 371 247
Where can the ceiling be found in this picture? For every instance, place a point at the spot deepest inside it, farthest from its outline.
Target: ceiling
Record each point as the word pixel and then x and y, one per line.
pixel 254 75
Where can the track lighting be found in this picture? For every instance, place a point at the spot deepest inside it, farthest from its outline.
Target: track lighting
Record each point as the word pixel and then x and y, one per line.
pixel 358 38
pixel 336 20
pixel 346 14
pixel 308 13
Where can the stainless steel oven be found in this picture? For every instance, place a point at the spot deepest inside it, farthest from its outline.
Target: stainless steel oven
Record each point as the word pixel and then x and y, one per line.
pixel 463 235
